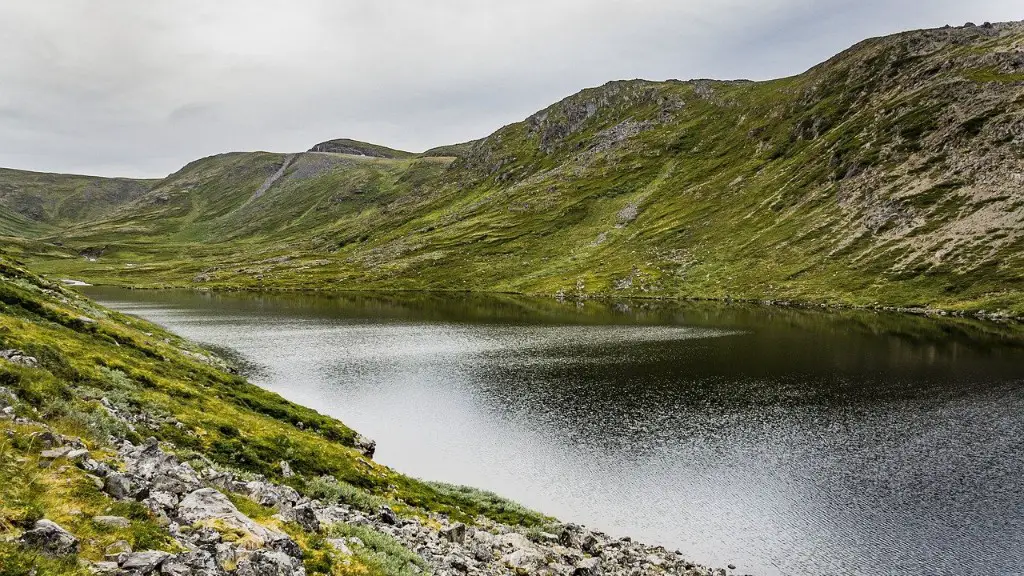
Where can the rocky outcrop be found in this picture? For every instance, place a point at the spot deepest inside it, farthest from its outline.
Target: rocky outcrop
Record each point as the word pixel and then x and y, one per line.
pixel 220 540
pixel 50 539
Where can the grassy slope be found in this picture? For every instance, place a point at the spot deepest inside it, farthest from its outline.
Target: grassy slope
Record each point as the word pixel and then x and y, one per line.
pixel 889 174
pixel 87 353
pixel 60 199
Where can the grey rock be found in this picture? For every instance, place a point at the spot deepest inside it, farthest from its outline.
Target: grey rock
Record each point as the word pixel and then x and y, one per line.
pixel 112 521
pixel 365 445
pixel 588 567
pixel 524 559
pixel 144 562
pixel 118 485
pixel 340 545
pixel 195 563
pixel 388 516
pixel 286 470
pixel 55 453
pixel 264 563
pixel 19 357
pixel 306 518
pixel 456 533
pixel 104 568
pixel 77 455
pixel 50 539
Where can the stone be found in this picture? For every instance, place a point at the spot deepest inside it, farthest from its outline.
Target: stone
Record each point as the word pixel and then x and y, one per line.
pixel 112 521
pixel 527 560
pixel 306 518
pixel 587 567
pixel 144 562
pixel 569 537
pixel 264 563
pixel 286 470
pixel 732 566
pixel 103 568
pixel 55 453
pixel 77 455
pixel 19 357
pixel 50 539
pixel 457 562
pixel 388 516
pixel 365 445
pixel 117 552
pixel 340 546
pixel 456 533
pixel 194 563
pixel 118 486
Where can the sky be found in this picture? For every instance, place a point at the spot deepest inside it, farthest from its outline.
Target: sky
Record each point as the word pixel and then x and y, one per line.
pixel 140 88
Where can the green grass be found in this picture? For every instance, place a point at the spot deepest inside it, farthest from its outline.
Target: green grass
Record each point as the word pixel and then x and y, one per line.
pixel 822 187
pixel 86 352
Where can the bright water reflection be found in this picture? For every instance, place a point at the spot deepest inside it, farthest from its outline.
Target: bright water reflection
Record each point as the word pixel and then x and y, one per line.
pixel 786 442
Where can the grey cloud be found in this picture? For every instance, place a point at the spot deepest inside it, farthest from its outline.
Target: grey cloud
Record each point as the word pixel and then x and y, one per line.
pixel 140 88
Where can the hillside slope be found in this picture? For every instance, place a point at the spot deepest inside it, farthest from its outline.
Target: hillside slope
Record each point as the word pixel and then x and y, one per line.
pixel 127 450
pixel 891 174
pixel 61 199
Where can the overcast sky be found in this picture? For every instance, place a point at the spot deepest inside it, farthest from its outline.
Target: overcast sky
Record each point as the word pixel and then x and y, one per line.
pixel 140 87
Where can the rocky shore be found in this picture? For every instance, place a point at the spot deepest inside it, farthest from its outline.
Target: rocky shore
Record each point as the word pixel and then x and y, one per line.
pixel 194 502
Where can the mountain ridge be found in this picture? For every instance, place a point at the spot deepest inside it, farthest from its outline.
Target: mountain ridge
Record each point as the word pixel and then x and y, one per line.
pixel 886 175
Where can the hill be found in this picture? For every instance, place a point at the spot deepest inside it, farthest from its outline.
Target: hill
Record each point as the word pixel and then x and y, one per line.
pixel 889 175
pixel 60 199
pixel 357 148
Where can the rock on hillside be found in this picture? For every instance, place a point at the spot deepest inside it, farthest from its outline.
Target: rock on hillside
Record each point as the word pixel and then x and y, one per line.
pixel 357 148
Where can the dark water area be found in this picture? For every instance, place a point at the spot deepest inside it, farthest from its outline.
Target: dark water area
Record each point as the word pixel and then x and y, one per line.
pixel 784 441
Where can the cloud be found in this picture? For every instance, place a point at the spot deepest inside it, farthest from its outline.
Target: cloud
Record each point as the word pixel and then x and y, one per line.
pixel 140 88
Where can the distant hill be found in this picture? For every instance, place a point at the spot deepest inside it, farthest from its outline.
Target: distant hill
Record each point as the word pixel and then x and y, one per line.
pixel 59 199
pixel 357 148
pixel 891 174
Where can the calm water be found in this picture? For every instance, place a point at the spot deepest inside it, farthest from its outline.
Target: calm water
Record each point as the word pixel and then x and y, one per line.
pixel 785 442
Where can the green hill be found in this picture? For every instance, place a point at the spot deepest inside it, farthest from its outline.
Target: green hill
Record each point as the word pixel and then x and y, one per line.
pixel 890 174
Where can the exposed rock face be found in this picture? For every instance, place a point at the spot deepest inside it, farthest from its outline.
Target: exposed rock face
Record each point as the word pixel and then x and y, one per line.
pixel 51 539
pixel 19 357
pixel 365 445
pixel 220 540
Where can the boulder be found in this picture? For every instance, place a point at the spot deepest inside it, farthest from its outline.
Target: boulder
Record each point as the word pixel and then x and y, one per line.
pixel 456 533
pixel 195 563
pixel 365 445
pixel 117 552
pixel 207 504
pixel 588 567
pixel 118 485
pixel 524 559
pixel 286 470
pixel 112 521
pixel 305 517
pixel 144 562
pixel 50 538
pixel 388 516
pixel 265 563
pixel 54 453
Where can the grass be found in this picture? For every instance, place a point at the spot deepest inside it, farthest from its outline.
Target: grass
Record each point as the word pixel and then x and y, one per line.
pixel 819 188
pixel 86 352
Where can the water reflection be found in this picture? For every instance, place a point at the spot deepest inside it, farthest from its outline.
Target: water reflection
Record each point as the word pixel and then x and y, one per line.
pixel 785 441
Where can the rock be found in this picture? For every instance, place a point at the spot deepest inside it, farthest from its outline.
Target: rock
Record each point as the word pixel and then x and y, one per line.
pixel 96 480
pixel 457 562
pixel 55 453
pixel 388 516
pixel 340 546
pixel 527 560
pixel 50 538
pixel 112 521
pixel 195 563
pixel 587 567
pixel 365 445
pixel 456 533
pixel 144 562
pixel 570 536
pixel 118 486
pixel 264 563
pixel 103 568
pixel 286 470
pixel 77 455
pixel 732 566
pixel 591 544
pixel 306 518
pixel 117 552
pixel 19 357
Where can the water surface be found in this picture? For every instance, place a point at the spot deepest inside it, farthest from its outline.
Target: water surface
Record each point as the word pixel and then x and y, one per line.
pixel 783 441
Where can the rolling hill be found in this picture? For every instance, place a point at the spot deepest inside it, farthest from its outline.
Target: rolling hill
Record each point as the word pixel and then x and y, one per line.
pixel 889 175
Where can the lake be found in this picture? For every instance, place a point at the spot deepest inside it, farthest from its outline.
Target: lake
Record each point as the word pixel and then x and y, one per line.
pixel 784 441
